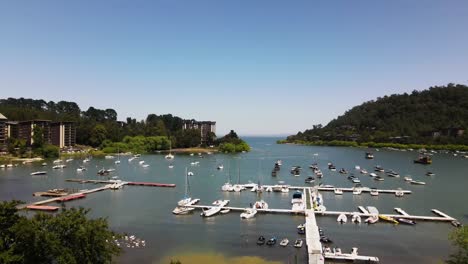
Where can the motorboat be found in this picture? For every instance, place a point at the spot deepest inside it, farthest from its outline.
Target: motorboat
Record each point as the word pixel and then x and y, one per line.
pixel 425 160
pixel 363 171
pixel 86 160
pixel 388 218
pixel 408 179
pixel 80 169
pixel 379 169
pixel 220 167
pixel 406 221
pixel 214 209
pixel 189 173
pixel 309 179
pixel 343 171
pixel 248 213
pixel 374 192
pixel 372 174
pixel 328 186
pixel 184 201
pixel 338 191
pixel 145 165
pixel 369 155
pixel 117 162
pixel 399 193
pixel 356 218
pixel 260 205
pixel 301 231
pixel 103 172
pixel 225 211
pixel 342 218
pixel 284 189
pixel 378 178
pixel 171 166
pixel 59 166
pixel 319 173
pixel 325 240
pixel 455 223
pixel 297 197
pixel 57 161
pixel 141 162
pixel 109 157
pixel 44 164
pixel 357 167
pixel 356 180
pixel 237 188
pixel 430 173
pixel 271 241
pixel 284 242
pixel 298 243
pixel 357 191
pixel 261 240
pixel 131 159
pixel 69 160
pixel 38 173
pixel 417 182
pixel 372 219
pixel 393 174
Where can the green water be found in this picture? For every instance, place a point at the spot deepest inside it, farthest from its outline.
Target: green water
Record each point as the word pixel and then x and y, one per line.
pixel 146 211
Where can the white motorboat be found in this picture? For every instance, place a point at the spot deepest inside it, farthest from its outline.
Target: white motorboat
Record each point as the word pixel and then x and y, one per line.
pixel 248 213
pixel 141 162
pixel 190 173
pixel 59 167
pixel 298 243
pixel 417 182
pixel 408 179
pixel 357 167
pixel 44 164
pixel 69 160
pixel 260 205
pixel 117 162
pixel 145 165
pixel 297 197
pixel 284 189
pixel 214 209
pixel 372 174
pixel 338 191
pixel 131 159
pixel 109 157
pixel 38 173
pixel 80 169
pixel 284 242
pixel 342 218
pixel 399 193
pixel 227 187
pixel 356 180
pixel 363 171
pixel 225 211
pixel 357 191
pixel 220 167
pixel 57 161
pixel 356 218
pixel 86 160
pixel 169 156
pixel 374 192
pixel 171 166
pixel 237 188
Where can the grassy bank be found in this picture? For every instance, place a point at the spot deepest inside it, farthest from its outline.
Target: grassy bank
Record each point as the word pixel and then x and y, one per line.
pixel 338 143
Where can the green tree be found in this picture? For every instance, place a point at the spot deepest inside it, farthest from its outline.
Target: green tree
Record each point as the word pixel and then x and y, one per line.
pixel 67 237
pixel 459 239
pixel 50 151
pixel 37 137
pixel 98 135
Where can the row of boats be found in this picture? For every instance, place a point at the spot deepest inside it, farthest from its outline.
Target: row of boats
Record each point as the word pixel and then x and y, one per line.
pixel 284 242
pixel 373 218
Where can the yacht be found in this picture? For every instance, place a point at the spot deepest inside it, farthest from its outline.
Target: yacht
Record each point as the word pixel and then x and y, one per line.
pixel 248 213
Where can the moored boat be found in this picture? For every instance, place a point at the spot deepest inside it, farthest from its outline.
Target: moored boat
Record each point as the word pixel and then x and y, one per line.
pixel 261 240
pixel 406 221
pixel 38 173
pixel 298 243
pixel 388 218
pixel 342 218
pixel 284 242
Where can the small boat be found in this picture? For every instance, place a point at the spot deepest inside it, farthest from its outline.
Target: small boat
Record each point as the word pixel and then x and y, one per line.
pixel 325 240
pixel 309 179
pixel 108 157
pixel 357 167
pixel 356 218
pixel 57 161
pixel 379 169
pixel 171 166
pixel 374 192
pixel 406 221
pixel 373 174
pixel 399 193
pixel 190 173
pixel 417 182
pixel 86 160
pixel 369 155
pixel 261 240
pixel 430 173
pixel 284 242
pixel 372 220
pixel 363 171
pixel 260 205
pixel 248 213
pixel 141 162
pixel 59 167
pixel 328 186
pixel 298 243
pixel 408 179
pixel 356 180
pixel 117 162
pixel 455 223
pixel 145 165
pixel 69 160
pixel 338 191
pixel 44 164
pixel 343 171
pixel 388 218
pixel 301 231
pixel 220 167
pixel 271 241
pixel 80 169
pixel 342 218
pixel 357 191
pixel 393 174
pixel 378 178
pixel 131 159
pixel 225 211
pixel 38 173
pixel 425 160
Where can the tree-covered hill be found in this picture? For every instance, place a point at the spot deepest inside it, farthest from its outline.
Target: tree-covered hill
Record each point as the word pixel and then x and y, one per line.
pixel 438 115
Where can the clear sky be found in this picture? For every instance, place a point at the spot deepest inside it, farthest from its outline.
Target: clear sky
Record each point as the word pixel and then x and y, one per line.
pixel 259 67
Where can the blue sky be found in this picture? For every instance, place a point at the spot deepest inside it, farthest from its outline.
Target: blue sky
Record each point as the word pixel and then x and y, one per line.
pixel 259 67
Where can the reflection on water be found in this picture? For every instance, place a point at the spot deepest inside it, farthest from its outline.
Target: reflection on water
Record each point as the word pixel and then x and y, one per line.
pixel 213 258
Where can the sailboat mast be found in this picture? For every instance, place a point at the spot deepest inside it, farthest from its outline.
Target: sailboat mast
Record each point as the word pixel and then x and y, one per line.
pixel 186 182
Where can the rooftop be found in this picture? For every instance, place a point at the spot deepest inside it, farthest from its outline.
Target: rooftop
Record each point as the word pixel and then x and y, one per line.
pixel 2 117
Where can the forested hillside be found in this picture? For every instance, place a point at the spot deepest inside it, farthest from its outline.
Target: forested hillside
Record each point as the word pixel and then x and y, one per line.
pixel 438 115
pixel 94 126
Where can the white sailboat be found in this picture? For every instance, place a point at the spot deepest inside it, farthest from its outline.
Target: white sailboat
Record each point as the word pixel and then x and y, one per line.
pixel 186 201
pixel 170 156
pixel 118 157
pixel 227 187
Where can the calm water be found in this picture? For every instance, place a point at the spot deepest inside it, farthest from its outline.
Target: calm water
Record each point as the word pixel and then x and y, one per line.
pixel 146 211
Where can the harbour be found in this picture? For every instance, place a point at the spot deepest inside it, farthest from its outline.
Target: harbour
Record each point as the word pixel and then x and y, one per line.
pixel 150 208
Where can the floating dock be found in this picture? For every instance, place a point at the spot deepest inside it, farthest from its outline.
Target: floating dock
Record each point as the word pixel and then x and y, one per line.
pixel 150 184
pixel 42 208
pixel 314 247
pixel 331 189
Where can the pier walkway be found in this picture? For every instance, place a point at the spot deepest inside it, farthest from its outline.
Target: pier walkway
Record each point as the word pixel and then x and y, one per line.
pixel 314 247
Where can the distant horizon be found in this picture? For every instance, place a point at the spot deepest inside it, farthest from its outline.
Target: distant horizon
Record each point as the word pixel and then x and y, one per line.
pixel 259 68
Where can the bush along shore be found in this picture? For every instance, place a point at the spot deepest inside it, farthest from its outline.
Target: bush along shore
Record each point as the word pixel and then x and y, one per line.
pixel 339 143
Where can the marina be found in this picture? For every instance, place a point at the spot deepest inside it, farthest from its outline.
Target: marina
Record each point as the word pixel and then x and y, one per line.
pixel 278 220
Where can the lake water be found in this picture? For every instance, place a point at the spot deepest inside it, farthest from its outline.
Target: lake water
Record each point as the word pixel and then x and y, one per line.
pixel 146 211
